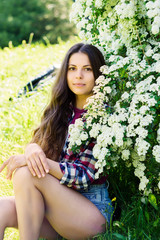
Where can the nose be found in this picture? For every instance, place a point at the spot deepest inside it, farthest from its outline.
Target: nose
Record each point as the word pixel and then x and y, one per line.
pixel 79 74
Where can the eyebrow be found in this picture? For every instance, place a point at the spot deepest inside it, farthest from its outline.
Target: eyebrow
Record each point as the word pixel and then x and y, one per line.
pixel 88 65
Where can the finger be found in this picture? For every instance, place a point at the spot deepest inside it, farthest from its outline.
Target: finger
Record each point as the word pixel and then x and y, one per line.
pixel 40 165
pixel 10 170
pixel 12 165
pixel 31 168
pixel 36 168
pixel 9 175
pixel 44 162
pixel 4 165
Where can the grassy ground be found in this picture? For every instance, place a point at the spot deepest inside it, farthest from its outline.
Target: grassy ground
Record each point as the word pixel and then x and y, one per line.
pixel 19 117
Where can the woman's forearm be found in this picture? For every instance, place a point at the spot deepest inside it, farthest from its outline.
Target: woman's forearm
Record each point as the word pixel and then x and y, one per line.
pixel 54 169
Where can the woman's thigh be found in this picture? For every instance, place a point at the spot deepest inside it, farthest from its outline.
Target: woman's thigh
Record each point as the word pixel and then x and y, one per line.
pixel 71 214
pixel 9 215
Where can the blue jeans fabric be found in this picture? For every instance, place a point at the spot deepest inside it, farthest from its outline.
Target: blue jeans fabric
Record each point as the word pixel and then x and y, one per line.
pixel 98 195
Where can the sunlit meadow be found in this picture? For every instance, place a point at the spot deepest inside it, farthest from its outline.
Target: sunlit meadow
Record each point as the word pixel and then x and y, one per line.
pixel 19 116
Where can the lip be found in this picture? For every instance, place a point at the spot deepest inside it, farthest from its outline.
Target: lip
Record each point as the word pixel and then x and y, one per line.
pixel 79 84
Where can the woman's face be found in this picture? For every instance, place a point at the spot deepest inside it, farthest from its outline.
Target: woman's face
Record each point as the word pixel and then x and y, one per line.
pixel 80 77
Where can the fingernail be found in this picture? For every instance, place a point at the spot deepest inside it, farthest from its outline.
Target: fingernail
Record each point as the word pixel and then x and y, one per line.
pixel 47 170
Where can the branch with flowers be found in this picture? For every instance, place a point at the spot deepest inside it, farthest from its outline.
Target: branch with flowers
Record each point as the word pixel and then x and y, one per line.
pixel 123 115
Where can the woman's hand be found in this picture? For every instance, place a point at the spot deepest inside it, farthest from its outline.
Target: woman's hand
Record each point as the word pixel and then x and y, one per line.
pixel 36 160
pixel 12 164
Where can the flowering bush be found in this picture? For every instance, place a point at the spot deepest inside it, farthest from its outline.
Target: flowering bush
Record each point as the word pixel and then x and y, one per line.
pixel 124 112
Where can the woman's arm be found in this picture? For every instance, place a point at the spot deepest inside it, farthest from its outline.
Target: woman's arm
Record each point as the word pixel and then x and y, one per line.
pixel 33 152
pixel 79 173
pixel 12 164
pixel 36 160
pixel 76 171
pixel 54 169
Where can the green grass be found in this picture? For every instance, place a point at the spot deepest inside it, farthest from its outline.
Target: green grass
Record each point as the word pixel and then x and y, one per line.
pixel 21 115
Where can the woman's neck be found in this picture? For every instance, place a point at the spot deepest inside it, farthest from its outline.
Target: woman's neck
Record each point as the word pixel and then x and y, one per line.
pixel 79 106
pixel 81 101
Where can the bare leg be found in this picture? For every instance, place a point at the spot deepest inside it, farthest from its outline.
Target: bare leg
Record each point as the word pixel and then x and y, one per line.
pixel 29 205
pixel 8 218
pixel 70 214
pixel 30 209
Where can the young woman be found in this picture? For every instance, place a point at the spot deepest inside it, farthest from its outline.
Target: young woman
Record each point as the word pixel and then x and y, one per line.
pixel 55 191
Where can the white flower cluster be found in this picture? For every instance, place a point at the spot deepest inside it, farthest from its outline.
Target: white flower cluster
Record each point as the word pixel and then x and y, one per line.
pixel 78 135
pixel 156 153
pixel 125 10
pixel 154 14
pixel 99 3
pixel 125 31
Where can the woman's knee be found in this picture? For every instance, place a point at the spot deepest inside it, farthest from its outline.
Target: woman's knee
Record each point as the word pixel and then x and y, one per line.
pixel 8 212
pixel 22 176
pixel 98 225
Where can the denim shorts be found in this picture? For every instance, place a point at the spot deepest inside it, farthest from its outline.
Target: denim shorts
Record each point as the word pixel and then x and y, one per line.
pixel 98 195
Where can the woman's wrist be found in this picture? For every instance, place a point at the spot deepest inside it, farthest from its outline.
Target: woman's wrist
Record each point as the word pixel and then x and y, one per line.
pixel 54 169
pixel 30 145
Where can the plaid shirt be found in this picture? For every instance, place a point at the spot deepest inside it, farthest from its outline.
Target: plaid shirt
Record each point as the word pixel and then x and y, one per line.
pixel 78 169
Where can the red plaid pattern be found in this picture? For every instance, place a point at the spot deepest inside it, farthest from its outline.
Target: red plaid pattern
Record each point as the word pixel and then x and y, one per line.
pixel 78 169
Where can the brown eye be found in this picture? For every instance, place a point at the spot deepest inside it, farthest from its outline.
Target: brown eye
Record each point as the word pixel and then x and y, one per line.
pixel 88 69
pixel 71 68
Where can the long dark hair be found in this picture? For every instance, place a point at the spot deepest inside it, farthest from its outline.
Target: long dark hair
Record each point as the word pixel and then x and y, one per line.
pixel 51 133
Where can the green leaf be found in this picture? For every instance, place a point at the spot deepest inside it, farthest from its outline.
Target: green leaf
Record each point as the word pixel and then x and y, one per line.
pixel 153 201
pixel 147 216
pixel 119 236
pixel 156 223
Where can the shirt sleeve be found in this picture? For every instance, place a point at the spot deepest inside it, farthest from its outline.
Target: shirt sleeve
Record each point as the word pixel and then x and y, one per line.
pixel 79 173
